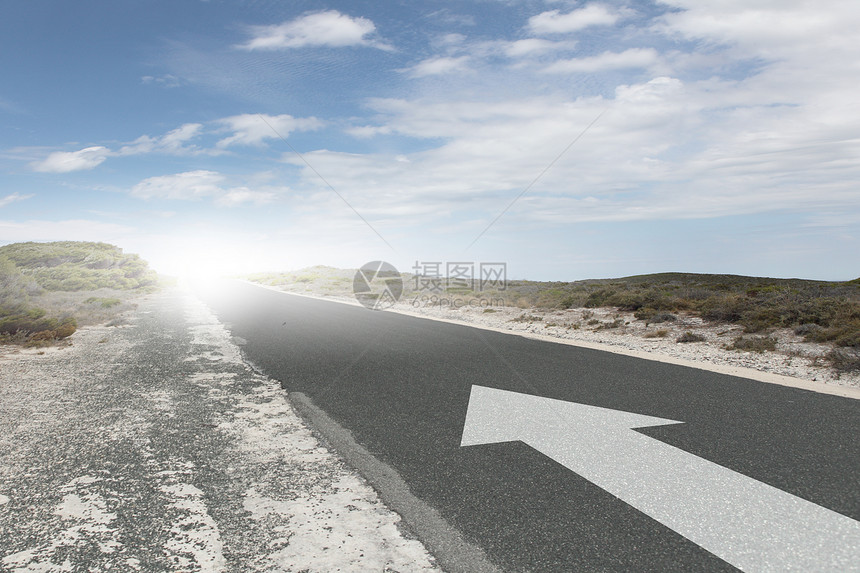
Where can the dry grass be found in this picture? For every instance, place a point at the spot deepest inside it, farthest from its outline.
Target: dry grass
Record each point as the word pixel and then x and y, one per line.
pixel 659 333
pixel 754 343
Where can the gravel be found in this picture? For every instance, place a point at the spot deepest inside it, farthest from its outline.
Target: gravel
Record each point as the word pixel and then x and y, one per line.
pixel 153 447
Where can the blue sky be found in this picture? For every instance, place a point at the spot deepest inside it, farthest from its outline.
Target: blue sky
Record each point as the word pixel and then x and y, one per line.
pixel 264 135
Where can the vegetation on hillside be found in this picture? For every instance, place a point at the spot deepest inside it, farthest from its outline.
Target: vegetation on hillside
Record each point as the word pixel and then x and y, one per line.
pixel 34 276
pixel 820 311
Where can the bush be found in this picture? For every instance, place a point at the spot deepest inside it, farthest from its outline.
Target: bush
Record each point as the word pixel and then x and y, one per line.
pixel 617 323
pixel 690 337
pixel 573 301
pixel 103 301
pixel 846 334
pixel 26 324
pixel 849 338
pixel 724 308
pixel 626 300
pixel 754 343
pixel 598 298
pixel 807 329
pixel 759 320
pixel 43 335
pixel 660 333
pixel 653 316
pixel 844 360
pixel 76 266
pixel 66 329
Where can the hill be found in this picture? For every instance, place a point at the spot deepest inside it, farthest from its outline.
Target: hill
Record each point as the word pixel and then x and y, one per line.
pixel 47 289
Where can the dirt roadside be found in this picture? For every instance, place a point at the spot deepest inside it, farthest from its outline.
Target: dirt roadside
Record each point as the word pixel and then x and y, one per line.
pixel 153 447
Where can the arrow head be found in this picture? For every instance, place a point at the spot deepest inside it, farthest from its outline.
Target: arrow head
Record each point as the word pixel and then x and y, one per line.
pixel 495 416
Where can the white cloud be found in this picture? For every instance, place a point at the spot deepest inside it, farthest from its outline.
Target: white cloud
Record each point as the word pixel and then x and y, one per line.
pixel 254 129
pixel 768 28
pixel 328 28
pixel 363 131
pixel 632 58
pixel 554 22
pixel 188 185
pixel 664 149
pixel 12 198
pixel 165 81
pixel 533 46
pixel 439 65
pixel 201 184
pixel 173 142
pixel 247 129
pixel 242 195
pixel 66 161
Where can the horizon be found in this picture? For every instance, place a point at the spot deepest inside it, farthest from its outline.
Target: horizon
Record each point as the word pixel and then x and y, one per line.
pixel 569 140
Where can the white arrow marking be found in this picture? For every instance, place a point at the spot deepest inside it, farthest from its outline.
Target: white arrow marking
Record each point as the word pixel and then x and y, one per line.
pixel 753 526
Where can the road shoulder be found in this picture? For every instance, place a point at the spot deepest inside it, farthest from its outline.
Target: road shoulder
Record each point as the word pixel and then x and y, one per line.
pixel 154 447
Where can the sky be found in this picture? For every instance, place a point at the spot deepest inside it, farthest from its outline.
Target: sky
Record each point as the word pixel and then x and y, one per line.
pixel 569 140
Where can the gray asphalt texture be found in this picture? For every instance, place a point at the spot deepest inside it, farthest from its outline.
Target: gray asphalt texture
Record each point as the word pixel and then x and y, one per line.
pixel 401 386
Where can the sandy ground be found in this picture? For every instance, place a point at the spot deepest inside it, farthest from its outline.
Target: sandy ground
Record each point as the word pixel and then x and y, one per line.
pixel 153 447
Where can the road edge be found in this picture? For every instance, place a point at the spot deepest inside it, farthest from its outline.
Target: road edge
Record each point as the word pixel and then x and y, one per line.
pixel 451 550
pixel 738 371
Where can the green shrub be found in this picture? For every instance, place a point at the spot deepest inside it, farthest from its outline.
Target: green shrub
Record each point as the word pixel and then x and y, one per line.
pixel 104 302
pixel 617 323
pixel 844 360
pixel 625 300
pixel 22 323
pixel 598 298
pixel 806 329
pixel 754 343
pixel 573 301
pixel 65 330
pixel 76 266
pixel 653 316
pixel 724 308
pixel 845 334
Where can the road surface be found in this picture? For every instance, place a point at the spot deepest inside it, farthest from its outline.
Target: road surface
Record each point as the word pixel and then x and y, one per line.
pixel 401 386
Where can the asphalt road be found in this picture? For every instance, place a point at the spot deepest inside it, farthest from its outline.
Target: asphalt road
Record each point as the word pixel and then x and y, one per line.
pixel 401 385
